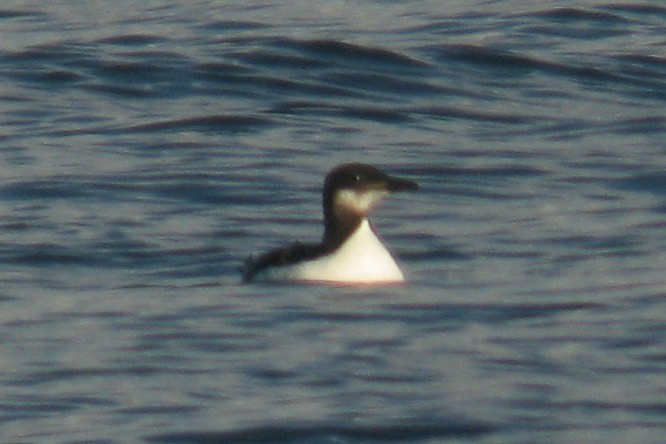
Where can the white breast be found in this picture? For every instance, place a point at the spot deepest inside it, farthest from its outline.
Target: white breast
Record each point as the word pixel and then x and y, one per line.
pixel 361 259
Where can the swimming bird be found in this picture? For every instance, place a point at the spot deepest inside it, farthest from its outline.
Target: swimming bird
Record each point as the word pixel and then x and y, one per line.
pixel 350 252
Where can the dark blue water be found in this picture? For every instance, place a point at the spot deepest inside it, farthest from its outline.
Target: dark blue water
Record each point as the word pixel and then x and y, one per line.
pixel 147 147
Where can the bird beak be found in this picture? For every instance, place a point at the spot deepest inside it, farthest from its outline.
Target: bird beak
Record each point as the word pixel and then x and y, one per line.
pixel 394 184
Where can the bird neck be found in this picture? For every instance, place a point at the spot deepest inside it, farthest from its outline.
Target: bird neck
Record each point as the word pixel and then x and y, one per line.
pixel 338 226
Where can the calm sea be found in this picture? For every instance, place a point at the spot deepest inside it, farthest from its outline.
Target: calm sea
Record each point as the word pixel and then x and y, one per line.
pixel 147 147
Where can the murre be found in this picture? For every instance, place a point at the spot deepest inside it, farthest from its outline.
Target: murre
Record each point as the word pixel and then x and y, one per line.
pixel 350 251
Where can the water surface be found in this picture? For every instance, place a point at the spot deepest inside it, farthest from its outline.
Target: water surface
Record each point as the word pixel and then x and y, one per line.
pixel 148 147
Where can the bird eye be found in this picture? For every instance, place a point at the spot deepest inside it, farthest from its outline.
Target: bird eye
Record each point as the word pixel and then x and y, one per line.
pixel 357 177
